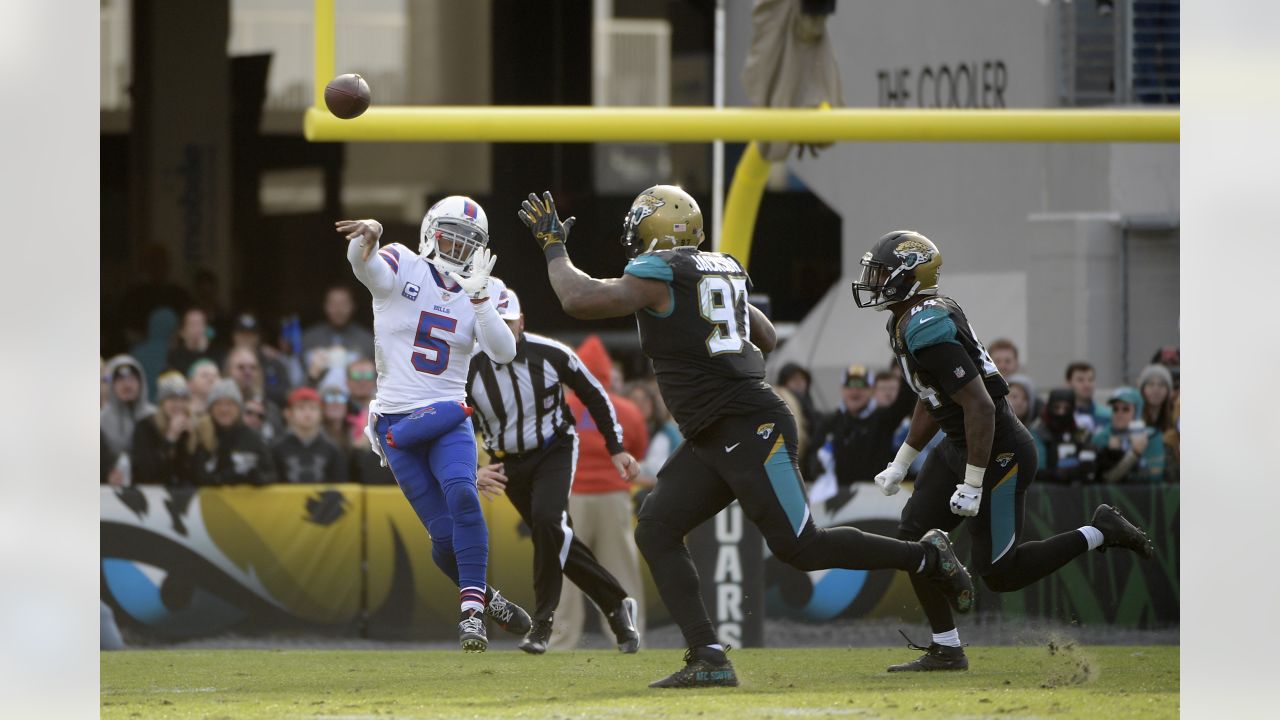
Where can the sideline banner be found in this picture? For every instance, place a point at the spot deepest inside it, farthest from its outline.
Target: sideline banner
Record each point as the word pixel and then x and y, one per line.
pixel 353 560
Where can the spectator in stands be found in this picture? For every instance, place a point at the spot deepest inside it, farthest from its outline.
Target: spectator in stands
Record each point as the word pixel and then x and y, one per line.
pixel 104 384
pixel 664 434
pixel 600 503
pixel 335 414
pixel 205 296
pixel 1005 355
pixel 126 405
pixel 244 368
pixel 108 472
pixel 856 441
pixel 247 333
pixel 794 386
pixel 1090 416
pixel 1021 398
pixel 886 388
pixel 338 329
pixel 304 455
pixel 201 376
pixel 163 443
pixel 1155 382
pixel 192 342
pixel 152 353
pixel 226 451
pixel 1068 448
pixel 1128 450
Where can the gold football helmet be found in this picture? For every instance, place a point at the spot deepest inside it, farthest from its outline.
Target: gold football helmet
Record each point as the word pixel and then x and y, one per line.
pixel 661 218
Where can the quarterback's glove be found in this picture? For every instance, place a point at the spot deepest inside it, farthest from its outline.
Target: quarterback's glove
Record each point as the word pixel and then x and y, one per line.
pixel 967 498
pixel 540 216
pixel 476 284
pixel 891 477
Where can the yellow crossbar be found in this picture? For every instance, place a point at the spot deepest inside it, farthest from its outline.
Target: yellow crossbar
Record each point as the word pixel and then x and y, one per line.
pixel 696 124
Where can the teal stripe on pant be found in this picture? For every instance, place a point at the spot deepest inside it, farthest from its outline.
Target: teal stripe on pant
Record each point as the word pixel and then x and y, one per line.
pixel 787 486
pixel 1003 519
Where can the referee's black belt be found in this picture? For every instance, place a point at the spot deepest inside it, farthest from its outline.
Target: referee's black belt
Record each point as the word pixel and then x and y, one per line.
pixel 547 444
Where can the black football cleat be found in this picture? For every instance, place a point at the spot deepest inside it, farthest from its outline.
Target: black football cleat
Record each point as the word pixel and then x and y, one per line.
pixel 623 623
pixel 703 667
pixel 507 615
pixel 935 657
pixel 946 572
pixel 471 634
pixel 1119 532
pixel 535 643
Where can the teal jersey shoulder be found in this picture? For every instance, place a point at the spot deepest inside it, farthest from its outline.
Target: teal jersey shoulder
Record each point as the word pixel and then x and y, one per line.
pixel 650 266
pixel 931 326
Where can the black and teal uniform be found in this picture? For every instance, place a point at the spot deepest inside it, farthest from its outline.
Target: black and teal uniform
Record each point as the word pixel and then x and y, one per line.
pixel 740 438
pixel 939 354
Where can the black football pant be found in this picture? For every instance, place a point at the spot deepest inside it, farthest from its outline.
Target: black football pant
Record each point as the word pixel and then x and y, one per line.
pixel 998 556
pixel 538 485
pixel 751 458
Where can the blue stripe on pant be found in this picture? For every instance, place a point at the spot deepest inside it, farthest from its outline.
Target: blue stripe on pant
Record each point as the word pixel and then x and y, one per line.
pixel 1004 520
pixel 439 481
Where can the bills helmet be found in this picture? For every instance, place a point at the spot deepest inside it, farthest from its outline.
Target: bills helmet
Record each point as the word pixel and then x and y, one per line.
pixel 452 230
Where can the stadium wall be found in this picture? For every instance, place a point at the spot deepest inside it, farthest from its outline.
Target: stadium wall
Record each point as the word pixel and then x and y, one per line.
pixel 352 560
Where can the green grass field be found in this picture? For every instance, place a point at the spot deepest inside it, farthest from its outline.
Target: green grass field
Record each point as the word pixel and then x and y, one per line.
pixel 1004 682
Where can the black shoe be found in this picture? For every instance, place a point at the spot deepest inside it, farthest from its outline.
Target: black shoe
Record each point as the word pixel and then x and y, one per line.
pixel 935 657
pixel 946 572
pixel 703 667
pixel 507 615
pixel 535 643
pixel 1119 532
pixel 471 633
pixel 623 623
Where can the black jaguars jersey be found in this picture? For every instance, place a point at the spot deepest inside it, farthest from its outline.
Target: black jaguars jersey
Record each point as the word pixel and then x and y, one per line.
pixel 939 322
pixel 705 365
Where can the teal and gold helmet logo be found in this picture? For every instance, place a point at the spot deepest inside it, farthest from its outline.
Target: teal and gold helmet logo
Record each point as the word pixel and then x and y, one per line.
pixel 643 207
pixel 1003 459
pixel 913 253
pixel 765 430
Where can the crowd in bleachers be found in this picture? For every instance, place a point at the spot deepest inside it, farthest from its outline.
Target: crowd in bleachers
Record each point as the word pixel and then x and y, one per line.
pixel 1129 437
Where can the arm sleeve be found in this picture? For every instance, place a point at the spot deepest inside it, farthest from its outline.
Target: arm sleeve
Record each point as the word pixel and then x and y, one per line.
pixel 593 396
pixel 378 273
pixel 492 333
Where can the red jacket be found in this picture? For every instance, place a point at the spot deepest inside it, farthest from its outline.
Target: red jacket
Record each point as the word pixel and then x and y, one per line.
pixel 596 473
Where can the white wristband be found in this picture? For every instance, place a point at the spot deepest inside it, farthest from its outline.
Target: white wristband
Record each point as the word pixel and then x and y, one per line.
pixel 973 475
pixel 906 456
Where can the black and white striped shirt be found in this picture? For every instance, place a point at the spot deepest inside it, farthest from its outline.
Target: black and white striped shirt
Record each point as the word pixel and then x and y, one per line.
pixel 520 407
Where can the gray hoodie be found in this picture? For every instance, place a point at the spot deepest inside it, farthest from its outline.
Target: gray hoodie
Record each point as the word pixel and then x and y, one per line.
pixel 118 419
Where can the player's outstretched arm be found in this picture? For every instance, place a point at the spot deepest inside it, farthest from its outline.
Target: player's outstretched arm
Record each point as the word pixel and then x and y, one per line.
pixel 581 295
pixel 375 273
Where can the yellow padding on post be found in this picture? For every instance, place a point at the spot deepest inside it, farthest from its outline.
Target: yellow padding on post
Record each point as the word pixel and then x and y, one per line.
pixel 740 208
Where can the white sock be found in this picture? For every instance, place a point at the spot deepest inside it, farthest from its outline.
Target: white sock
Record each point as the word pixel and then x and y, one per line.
pixel 1092 535
pixel 717 646
pixel 950 638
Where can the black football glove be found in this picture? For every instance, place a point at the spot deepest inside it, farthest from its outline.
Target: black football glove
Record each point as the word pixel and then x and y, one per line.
pixel 540 216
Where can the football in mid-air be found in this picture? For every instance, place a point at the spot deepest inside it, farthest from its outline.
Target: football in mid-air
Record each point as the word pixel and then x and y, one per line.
pixel 347 96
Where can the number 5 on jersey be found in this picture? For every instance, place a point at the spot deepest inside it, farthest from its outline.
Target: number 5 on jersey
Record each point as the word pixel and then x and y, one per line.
pixel 436 357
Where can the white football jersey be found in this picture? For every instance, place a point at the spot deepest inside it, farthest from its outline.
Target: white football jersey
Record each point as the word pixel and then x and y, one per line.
pixel 424 334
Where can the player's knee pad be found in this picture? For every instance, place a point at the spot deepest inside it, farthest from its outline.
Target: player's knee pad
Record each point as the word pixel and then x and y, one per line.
pixel 655 536
pixel 464 505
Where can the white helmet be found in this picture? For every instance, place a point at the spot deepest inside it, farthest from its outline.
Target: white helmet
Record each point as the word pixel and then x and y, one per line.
pixel 461 222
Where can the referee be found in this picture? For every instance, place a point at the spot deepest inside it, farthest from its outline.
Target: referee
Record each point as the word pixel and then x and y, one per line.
pixel 528 427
